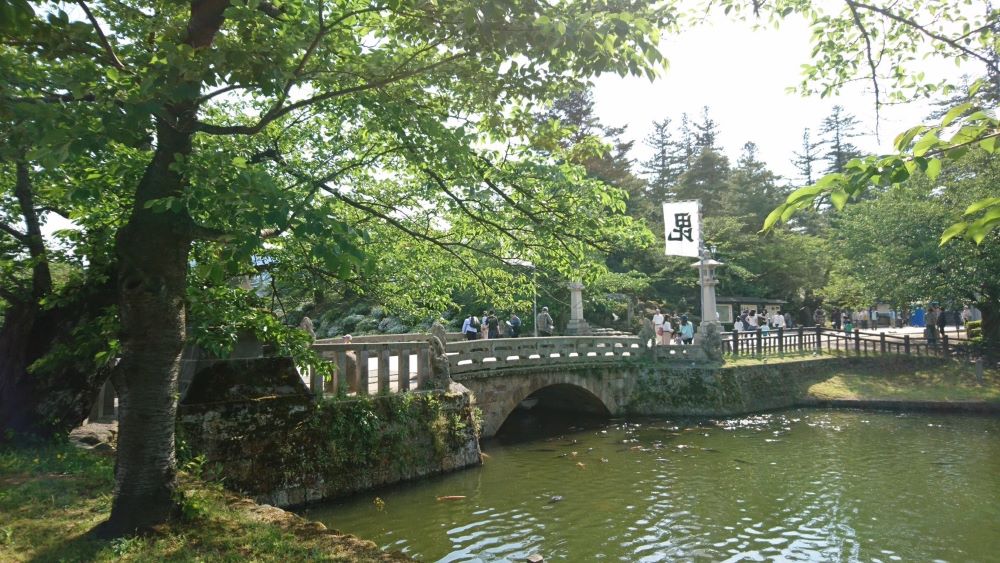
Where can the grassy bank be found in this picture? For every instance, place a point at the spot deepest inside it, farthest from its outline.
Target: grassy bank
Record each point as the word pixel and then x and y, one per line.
pixel 951 381
pixel 52 496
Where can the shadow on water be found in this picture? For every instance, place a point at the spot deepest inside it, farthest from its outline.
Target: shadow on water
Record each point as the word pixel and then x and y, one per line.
pixel 540 422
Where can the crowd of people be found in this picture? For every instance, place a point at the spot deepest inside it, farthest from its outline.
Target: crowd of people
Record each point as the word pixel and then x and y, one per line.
pixel 750 320
pixel 672 329
pixel 489 325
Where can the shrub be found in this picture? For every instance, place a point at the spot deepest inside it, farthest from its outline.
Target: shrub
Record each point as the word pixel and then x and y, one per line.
pixel 366 326
pixel 350 322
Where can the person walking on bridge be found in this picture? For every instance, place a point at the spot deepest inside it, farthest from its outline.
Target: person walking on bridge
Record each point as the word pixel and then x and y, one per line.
pixel 544 323
pixel 470 327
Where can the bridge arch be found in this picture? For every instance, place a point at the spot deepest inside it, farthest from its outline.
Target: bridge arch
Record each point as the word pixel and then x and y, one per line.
pixel 565 391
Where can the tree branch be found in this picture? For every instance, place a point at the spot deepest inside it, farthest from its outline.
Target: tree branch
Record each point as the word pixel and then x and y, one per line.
pixel 871 61
pixel 279 110
pixel 115 61
pixel 937 37
pixel 18 235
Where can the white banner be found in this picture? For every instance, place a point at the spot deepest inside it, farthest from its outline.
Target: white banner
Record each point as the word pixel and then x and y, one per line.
pixel 682 227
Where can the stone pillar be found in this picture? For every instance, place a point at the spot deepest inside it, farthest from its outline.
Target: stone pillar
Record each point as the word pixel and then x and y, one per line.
pixel 576 326
pixel 707 280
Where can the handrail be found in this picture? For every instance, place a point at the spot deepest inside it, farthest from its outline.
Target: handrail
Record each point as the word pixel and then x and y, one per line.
pixel 501 353
pixel 383 338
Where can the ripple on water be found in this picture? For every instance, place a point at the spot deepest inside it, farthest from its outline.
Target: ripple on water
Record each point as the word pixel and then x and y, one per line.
pixel 833 486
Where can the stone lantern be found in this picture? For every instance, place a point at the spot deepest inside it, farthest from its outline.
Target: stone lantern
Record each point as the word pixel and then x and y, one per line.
pixel 576 326
pixel 707 280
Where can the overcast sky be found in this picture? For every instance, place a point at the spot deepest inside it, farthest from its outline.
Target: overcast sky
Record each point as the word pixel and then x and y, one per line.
pixel 742 76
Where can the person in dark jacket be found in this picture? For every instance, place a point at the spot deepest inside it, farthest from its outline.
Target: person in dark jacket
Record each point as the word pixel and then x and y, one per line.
pixel 942 320
pixel 493 326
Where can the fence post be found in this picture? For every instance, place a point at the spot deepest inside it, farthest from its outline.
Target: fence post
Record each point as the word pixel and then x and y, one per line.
pixel 906 344
pixel 857 342
pixel 944 344
pixel 423 366
pixel 781 340
pixel 315 382
pixel 881 339
pixel 383 370
pixel 759 343
pixel 819 341
pixel 340 375
pixel 736 342
pixel 802 339
pixel 362 372
pixel 404 369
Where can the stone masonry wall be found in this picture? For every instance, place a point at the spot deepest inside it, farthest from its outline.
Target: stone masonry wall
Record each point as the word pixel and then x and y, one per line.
pixel 258 427
pixel 708 391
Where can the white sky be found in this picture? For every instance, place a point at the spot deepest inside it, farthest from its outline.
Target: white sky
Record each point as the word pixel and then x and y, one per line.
pixel 742 76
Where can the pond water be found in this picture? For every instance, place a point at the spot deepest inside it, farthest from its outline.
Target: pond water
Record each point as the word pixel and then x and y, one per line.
pixel 814 485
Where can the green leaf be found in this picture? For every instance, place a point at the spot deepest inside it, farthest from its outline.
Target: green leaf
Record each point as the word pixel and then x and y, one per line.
pixel 904 139
pixel 239 162
pixel 978 206
pixel 954 113
pixel 806 193
pixel 952 232
pixel 839 198
pixel 925 143
pixel 773 217
pixel 933 168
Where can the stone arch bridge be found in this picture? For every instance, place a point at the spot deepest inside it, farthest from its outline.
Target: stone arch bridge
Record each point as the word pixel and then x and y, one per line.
pixel 598 374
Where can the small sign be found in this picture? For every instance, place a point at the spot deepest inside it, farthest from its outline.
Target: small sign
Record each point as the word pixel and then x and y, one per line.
pixel 682 228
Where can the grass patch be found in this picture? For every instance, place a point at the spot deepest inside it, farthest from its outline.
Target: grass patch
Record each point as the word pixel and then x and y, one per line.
pixel 742 360
pixel 52 496
pixel 951 381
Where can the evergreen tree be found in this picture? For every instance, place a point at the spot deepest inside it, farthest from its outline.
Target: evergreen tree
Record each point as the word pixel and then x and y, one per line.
pixel 706 180
pixel 706 133
pixel 753 190
pixel 666 165
pixel 806 160
pixel 837 130
pixel 687 143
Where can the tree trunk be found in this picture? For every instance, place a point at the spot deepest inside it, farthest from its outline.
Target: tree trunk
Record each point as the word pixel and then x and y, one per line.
pixel 51 401
pixel 16 392
pixel 152 251
pixel 991 328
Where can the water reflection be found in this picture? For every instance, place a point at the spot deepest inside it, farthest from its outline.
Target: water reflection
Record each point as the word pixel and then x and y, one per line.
pixel 797 485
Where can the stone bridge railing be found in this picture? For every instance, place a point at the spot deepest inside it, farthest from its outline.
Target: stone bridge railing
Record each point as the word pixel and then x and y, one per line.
pixel 377 365
pixel 485 357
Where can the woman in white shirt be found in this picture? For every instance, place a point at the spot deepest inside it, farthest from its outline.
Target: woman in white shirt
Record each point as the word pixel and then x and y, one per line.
pixel 658 327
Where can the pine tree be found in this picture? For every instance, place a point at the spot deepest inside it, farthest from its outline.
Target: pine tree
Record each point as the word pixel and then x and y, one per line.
pixel 706 132
pixel 666 165
pixel 706 180
pixel 837 130
pixel 687 143
pixel 753 190
pixel 806 160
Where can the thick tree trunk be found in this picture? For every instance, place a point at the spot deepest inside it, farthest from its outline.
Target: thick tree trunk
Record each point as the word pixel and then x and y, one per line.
pixel 152 255
pixel 152 251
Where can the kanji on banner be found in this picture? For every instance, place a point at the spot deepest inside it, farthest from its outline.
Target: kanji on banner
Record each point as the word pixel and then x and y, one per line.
pixel 682 228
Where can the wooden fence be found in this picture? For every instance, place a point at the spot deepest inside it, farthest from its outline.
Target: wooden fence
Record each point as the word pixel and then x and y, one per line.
pixel 820 339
